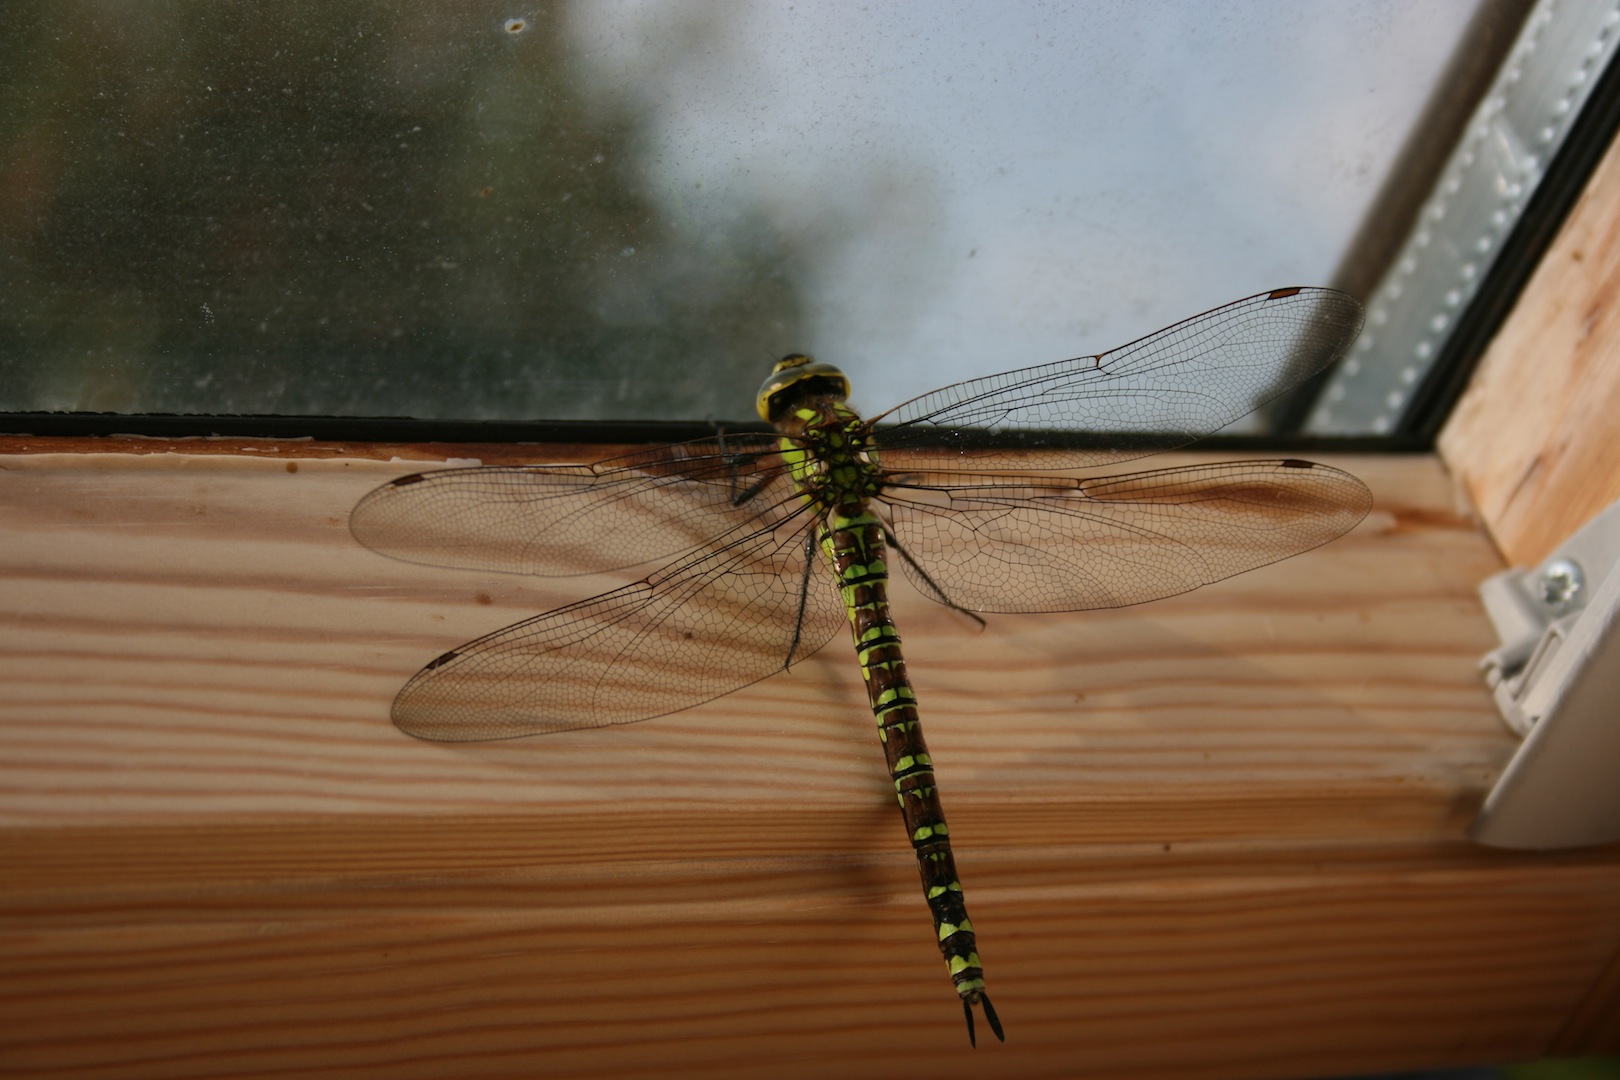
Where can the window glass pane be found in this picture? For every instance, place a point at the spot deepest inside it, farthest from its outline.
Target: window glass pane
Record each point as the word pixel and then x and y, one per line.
pixel 509 211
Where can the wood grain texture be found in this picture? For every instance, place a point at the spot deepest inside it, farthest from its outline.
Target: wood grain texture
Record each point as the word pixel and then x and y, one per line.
pixel 1216 836
pixel 1535 440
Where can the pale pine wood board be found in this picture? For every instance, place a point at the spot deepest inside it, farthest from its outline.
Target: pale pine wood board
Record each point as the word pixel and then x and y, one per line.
pixel 1220 835
pixel 1535 440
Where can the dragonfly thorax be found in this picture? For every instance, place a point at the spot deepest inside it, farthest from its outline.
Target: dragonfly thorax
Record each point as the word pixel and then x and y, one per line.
pixel 795 380
pixel 825 446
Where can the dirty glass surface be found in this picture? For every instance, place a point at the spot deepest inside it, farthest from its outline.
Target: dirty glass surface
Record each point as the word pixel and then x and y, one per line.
pixel 619 211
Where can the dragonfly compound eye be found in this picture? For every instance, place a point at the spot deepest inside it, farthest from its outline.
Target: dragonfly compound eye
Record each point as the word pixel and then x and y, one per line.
pixel 795 378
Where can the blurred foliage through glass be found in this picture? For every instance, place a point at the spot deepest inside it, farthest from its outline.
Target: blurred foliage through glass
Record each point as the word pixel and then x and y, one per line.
pixel 350 207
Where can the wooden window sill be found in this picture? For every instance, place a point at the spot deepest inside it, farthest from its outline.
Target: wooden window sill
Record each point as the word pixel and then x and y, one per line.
pixel 1219 835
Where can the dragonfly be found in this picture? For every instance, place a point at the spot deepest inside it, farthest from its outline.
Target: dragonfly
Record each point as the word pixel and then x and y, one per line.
pixel 766 544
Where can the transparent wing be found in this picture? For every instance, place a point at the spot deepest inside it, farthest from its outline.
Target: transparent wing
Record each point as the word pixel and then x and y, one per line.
pixel 685 635
pixel 1163 391
pixel 556 520
pixel 1055 544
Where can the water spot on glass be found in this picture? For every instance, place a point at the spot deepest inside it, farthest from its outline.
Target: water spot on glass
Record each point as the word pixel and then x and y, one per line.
pixel 516 26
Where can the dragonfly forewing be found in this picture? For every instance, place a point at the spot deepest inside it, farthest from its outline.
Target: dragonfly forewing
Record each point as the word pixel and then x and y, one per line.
pixel 1157 393
pixel 561 520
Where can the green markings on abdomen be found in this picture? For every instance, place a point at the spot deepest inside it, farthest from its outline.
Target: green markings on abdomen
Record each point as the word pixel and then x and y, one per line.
pixel 854 545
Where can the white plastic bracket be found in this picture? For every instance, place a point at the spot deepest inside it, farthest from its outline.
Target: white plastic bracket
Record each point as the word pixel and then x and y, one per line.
pixel 1556 678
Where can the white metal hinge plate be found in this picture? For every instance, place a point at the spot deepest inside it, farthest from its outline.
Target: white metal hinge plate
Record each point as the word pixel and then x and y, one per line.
pixel 1556 678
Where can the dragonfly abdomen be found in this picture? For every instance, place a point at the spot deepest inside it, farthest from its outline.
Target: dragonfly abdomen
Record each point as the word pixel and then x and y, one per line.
pixel 854 545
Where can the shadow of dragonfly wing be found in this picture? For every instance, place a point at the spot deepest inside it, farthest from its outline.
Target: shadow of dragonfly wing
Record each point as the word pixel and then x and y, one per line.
pixel 560 520
pixel 1157 393
pixel 687 634
pixel 1021 544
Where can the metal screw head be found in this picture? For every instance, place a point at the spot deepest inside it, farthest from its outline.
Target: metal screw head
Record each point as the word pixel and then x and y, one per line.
pixel 1563 586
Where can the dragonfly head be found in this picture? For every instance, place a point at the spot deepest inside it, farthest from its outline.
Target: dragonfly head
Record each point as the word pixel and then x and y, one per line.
pixel 795 378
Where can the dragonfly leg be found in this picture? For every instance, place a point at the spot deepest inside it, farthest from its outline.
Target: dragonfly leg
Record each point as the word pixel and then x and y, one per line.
pixel 739 496
pixel 937 593
pixel 812 539
pixel 748 494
